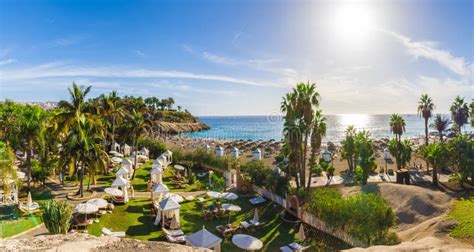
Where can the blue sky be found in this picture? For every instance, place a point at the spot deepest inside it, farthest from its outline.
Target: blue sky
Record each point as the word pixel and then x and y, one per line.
pixel 241 57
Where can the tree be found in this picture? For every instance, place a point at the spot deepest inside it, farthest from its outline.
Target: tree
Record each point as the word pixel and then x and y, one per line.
pixel 397 127
pixel 348 151
pixel 472 112
pixel 425 110
pixel 401 152
pixel 437 155
pixel 138 126
pixel 461 153
pixel 459 112
pixel 300 106
pixel 317 134
pixel 440 124
pixel 7 170
pixel 364 151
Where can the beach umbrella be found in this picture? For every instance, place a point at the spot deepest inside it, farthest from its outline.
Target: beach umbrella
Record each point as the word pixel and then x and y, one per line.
pixel 86 208
pixel 213 194
pixel 255 215
pixel 247 242
pixel 174 223
pixel 229 196
pixel 113 191
pixel 301 235
pixel 231 207
pixel 179 167
pixel 99 202
pixel 29 202
pixel 175 197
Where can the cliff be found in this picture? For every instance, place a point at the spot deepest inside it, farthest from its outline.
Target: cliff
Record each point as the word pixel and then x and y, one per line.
pixel 85 242
pixel 174 128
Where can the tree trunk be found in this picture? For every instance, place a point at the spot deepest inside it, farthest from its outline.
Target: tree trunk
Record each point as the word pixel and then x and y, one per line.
pixel 113 131
pixel 136 157
pixel 305 149
pixel 29 154
pixel 426 131
pixel 83 167
pixel 311 165
pixel 435 176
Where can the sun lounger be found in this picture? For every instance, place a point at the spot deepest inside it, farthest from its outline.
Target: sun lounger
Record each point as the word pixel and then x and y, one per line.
pixel 257 200
pixel 169 232
pixel 175 239
pixel 109 232
pixel 286 249
pixel 297 247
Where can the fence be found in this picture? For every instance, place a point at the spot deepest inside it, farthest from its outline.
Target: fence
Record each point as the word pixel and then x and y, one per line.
pixel 311 220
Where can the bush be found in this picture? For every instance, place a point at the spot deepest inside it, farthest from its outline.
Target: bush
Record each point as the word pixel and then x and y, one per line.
pixel 218 182
pixel 365 216
pixel 56 216
pixel 154 146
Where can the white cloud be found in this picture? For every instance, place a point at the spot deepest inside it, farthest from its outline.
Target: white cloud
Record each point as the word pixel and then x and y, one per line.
pixel 429 50
pixel 68 41
pixel 139 53
pixel 7 61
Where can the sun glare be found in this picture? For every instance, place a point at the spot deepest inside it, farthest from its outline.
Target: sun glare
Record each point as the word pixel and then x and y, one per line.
pixel 353 22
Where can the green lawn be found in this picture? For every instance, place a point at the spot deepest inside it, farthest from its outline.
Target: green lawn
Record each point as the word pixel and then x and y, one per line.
pixel 135 219
pixel 23 222
pixel 463 213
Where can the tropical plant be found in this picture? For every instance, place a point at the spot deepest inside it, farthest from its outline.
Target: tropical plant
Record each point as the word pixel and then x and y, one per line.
pixel 7 170
pixel 317 134
pixel 397 127
pixel 459 112
pixel 348 151
pixel 401 151
pixel 440 124
pixel 138 126
pixel 56 215
pixel 437 156
pixel 472 112
pixel 364 151
pixel 299 108
pixel 461 153
pixel 425 110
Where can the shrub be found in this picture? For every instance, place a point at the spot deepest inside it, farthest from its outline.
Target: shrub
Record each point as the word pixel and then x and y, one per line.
pixel 56 215
pixel 218 182
pixel 154 146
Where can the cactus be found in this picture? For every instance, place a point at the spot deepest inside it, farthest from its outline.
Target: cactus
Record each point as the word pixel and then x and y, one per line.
pixel 56 216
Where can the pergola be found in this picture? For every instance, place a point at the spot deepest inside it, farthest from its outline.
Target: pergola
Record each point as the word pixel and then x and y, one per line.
pixel 167 208
pixel 204 239
pixel 159 189
pixel 156 175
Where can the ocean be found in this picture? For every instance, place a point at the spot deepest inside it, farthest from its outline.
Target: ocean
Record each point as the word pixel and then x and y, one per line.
pixel 270 127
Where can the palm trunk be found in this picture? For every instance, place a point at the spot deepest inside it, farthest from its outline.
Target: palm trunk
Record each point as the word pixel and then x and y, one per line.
pixel 83 167
pixel 113 130
pixel 311 165
pixel 305 149
pixel 136 156
pixel 435 176
pixel 426 131
pixel 29 154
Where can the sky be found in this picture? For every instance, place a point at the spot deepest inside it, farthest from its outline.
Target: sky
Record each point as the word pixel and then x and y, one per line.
pixel 241 57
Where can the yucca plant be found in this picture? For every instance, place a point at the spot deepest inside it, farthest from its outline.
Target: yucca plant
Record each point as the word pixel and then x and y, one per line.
pixel 56 215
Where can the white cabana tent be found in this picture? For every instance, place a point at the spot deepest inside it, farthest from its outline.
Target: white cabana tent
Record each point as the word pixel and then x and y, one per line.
pixel 169 156
pixel 159 190
pixel 167 208
pixel 157 163
pixel 163 161
pixel 127 164
pixel 204 239
pixel 144 151
pixel 127 150
pixel 257 154
pixel 115 147
pixel 156 175
pixel 234 152
pixel 122 172
pixel 123 184
pixel 219 151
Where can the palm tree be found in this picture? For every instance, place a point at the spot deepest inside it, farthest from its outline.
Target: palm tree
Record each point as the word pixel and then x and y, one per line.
pixel 397 127
pixel 472 112
pixel 459 112
pixel 117 112
pixel 437 155
pixel 348 148
pixel 425 110
pixel 440 124
pixel 138 126
pixel 319 131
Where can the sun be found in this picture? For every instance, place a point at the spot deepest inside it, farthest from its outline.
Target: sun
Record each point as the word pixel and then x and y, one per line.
pixel 353 22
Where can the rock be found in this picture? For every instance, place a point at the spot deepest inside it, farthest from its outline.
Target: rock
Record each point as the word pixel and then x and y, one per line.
pixel 447 225
pixel 174 128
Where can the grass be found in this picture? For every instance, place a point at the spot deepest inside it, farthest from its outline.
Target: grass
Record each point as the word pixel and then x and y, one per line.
pixel 19 222
pixel 463 213
pixel 136 220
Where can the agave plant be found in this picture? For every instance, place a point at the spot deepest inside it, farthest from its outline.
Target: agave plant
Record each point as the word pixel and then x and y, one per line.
pixel 56 215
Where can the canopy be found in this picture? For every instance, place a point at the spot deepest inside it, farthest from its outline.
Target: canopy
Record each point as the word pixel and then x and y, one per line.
pixel 247 242
pixel 229 196
pixel 175 197
pixel 231 207
pixel 99 202
pixel 203 239
pixel 127 162
pixel 160 188
pixel 86 208
pixel 122 171
pixel 179 167
pixel 113 191
pixel 156 170
pixel 213 194
pixel 169 204
pixel 257 151
pixel 167 153
pixel 119 182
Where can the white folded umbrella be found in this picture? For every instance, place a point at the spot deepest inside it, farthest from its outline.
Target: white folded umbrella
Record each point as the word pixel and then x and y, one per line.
pixel 175 197
pixel 229 196
pixel 113 191
pixel 99 202
pixel 86 208
pixel 231 207
pixel 213 194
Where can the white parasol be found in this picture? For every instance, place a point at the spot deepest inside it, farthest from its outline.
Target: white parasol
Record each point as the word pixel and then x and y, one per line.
pixel 179 167
pixel 213 194
pixel 116 160
pixel 29 201
pixel 86 208
pixel 229 196
pixel 175 197
pixel 247 242
pixel 99 202
pixel 231 207
pixel 113 191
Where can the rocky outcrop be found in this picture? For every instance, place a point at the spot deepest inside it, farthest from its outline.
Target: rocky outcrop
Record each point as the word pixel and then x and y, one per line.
pixel 174 128
pixel 85 242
